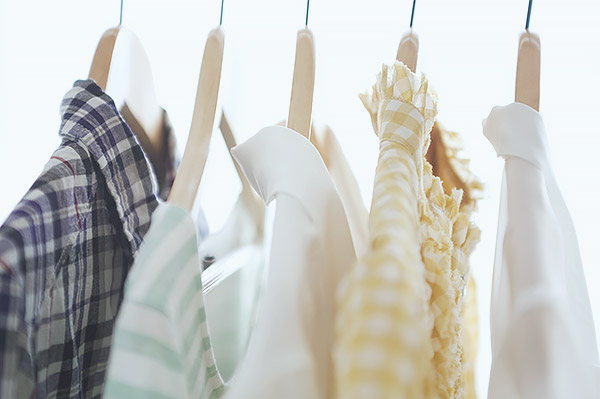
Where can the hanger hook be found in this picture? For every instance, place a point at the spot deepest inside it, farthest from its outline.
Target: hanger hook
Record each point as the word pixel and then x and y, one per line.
pixel 412 14
pixel 221 18
pixel 121 14
pixel 307 6
pixel 528 15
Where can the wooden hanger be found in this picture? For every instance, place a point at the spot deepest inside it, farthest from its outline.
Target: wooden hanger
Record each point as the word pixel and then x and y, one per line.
pixel 408 49
pixel 527 85
pixel 230 142
pixel 103 56
pixel 122 70
pixel 303 85
pixel 252 200
pixel 187 181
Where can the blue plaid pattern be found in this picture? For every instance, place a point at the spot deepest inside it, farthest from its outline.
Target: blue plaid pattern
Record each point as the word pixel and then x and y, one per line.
pixel 66 249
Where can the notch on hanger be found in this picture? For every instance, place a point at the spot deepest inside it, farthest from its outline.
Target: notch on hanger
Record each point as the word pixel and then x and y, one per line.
pixel 527 84
pixel 408 49
pixel 303 85
pixel 186 183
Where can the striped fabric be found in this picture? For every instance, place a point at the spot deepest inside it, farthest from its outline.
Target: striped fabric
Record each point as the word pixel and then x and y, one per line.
pixel 162 347
pixel 66 249
pixel 384 324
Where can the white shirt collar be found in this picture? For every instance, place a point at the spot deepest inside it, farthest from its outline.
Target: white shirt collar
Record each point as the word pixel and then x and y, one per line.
pixel 278 160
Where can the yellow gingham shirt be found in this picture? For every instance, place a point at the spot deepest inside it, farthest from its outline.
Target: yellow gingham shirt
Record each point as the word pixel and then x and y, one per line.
pixel 399 311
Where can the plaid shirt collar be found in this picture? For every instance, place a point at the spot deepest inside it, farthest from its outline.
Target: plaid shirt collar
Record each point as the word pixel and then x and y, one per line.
pixel 67 248
pixel 90 118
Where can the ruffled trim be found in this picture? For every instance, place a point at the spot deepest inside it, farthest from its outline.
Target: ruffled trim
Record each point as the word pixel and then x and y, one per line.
pixel 398 82
pixel 448 238
pixel 438 214
pixel 452 145
pixel 466 236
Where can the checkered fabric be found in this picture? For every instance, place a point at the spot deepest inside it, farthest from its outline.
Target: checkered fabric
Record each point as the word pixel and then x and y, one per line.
pixel 384 324
pixel 65 252
pixel 400 312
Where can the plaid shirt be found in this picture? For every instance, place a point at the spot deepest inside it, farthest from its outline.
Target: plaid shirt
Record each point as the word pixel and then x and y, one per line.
pixel 66 249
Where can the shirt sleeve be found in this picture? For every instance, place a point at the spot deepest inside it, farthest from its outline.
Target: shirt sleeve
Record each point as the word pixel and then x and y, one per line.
pixel 383 325
pixel 529 351
pixel 543 343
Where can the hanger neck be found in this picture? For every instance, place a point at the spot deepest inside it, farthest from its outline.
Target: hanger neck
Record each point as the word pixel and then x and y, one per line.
pixel 103 57
pixel 303 85
pixel 527 85
pixel 408 50
pixel 186 184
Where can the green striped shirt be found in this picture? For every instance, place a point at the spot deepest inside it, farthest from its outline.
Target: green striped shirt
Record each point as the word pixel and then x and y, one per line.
pixel 161 346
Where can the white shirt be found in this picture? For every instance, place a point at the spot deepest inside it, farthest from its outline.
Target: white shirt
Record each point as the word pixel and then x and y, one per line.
pixel 232 283
pixel 289 355
pixel 543 339
pixel 341 173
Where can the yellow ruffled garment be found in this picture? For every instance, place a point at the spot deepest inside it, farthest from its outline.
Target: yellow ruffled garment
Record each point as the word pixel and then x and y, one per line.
pixel 398 312
pixel 383 346
pixel 438 214
pixel 455 172
pixel 448 239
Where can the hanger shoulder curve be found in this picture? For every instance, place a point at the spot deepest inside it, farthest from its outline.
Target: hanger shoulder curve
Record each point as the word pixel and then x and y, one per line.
pixel 527 85
pixel 303 84
pixel 408 50
pixel 187 181
pixel 121 68
pixel 103 57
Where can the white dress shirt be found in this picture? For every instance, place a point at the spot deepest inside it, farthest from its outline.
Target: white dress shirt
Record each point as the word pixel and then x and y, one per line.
pixel 543 339
pixel 341 173
pixel 289 354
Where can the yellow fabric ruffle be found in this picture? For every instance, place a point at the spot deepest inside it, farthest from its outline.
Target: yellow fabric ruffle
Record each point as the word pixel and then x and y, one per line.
pixel 454 171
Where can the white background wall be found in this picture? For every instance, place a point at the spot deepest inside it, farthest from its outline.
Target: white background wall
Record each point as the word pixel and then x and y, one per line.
pixel 468 50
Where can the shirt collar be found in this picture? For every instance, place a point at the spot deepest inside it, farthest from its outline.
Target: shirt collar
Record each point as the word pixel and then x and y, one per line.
pixel 90 118
pixel 517 130
pixel 279 160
